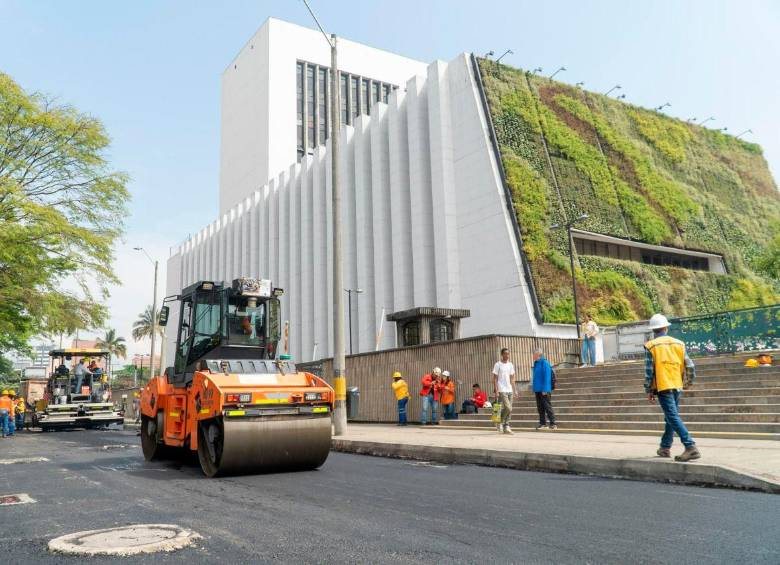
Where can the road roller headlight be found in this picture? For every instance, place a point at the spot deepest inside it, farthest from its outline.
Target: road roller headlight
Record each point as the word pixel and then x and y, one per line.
pixel 313 396
pixel 239 398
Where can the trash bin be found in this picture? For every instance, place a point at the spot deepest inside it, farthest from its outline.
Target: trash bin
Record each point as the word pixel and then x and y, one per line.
pixel 353 402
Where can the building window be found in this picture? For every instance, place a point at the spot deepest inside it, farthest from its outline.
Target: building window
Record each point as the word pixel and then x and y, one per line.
pixel 385 92
pixel 411 333
pixel 299 106
pixel 365 92
pixel 322 101
pixel 344 99
pixel 441 330
pixel 376 92
pixel 354 98
pixel 310 107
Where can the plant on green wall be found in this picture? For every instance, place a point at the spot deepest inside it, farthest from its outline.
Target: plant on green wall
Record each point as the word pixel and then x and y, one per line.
pixel 667 136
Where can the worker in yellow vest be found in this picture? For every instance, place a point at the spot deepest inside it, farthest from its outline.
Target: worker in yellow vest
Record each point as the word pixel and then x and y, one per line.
pixel 401 390
pixel 668 370
pixel 20 410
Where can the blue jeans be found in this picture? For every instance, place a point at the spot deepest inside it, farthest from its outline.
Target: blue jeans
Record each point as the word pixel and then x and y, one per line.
pixel 670 403
pixel 11 426
pixel 429 402
pixel 449 411
pixel 4 422
pixel 402 410
pixel 589 351
pixel 20 421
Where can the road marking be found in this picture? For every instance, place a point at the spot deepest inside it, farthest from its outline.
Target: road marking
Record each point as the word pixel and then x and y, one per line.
pixel 426 464
pixel 675 493
pixel 125 540
pixel 14 499
pixel 23 460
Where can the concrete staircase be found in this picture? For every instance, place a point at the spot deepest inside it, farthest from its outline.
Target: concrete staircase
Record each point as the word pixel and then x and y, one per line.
pixel 727 400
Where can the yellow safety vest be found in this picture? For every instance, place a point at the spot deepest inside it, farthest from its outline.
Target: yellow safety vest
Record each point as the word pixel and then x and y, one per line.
pixel 401 389
pixel 668 361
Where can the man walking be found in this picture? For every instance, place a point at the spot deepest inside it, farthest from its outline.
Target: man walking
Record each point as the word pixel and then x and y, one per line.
pixel 5 412
pixel 542 383
pixel 668 370
pixel 503 386
pixel 401 390
pixel 429 390
pixel 589 332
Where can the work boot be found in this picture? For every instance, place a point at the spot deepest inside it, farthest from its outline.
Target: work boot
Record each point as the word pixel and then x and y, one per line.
pixel 553 427
pixel 689 454
pixel 664 452
pixel 508 430
pixel 541 427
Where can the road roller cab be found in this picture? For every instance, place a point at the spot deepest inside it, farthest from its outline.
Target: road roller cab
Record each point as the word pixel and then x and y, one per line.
pixel 227 396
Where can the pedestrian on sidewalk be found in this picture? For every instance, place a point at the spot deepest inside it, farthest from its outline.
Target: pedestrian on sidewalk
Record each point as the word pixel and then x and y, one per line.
pixel 542 383
pixel 477 400
pixel 668 370
pixel 20 409
pixel 401 390
pixel 589 332
pixel 430 390
pixel 503 386
pixel 448 397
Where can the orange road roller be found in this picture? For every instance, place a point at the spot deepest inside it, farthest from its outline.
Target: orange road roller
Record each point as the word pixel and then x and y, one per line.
pixel 228 396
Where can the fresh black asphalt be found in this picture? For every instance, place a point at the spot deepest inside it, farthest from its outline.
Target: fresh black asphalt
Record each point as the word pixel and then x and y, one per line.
pixel 358 509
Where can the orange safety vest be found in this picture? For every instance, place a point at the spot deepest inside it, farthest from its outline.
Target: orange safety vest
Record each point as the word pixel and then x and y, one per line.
pixel 668 362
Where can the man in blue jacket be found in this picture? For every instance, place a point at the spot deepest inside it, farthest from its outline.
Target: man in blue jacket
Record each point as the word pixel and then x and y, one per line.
pixel 542 383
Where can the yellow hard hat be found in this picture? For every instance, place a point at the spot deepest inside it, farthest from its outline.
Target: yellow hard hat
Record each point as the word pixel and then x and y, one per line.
pixel 12 392
pixel 752 363
pixel 5 393
pixel 396 375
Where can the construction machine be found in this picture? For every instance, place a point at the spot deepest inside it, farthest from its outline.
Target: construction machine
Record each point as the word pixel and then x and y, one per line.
pixel 71 401
pixel 228 395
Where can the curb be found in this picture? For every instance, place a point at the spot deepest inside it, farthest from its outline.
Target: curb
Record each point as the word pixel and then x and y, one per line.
pixel 698 474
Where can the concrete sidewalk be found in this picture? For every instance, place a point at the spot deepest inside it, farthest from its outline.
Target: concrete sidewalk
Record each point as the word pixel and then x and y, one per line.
pixel 744 464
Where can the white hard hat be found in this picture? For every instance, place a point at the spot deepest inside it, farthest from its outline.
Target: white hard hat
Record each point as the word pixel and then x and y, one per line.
pixel 446 374
pixel 437 370
pixel 658 321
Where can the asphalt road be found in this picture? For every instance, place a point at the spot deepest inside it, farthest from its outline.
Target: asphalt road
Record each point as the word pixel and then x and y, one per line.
pixel 359 509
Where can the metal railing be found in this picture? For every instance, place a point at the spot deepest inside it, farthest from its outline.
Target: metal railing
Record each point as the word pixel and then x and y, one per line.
pixel 749 329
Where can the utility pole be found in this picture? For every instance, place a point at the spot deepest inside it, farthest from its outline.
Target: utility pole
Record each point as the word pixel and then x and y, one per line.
pixel 154 311
pixel 339 361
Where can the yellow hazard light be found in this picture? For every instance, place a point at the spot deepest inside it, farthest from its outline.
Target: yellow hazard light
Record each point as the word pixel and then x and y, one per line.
pixel 320 409
pixel 236 413
pixel 204 410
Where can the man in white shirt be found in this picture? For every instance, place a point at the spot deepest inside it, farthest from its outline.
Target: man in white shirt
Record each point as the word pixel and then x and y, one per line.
pixel 80 373
pixel 503 386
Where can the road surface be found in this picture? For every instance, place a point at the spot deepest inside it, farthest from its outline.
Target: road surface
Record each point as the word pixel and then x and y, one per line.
pixel 358 509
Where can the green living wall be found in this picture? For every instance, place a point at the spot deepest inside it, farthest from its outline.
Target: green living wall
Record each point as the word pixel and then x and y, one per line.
pixel 639 175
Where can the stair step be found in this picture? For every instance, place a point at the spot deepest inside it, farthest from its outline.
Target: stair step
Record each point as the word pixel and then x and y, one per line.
pixel 639 385
pixel 693 427
pixel 653 408
pixel 640 399
pixel 657 416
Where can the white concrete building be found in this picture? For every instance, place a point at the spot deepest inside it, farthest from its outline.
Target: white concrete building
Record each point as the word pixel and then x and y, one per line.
pixel 429 236
pixel 276 100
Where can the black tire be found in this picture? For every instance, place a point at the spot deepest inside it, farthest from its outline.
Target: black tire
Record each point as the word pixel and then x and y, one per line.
pixel 210 459
pixel 149 445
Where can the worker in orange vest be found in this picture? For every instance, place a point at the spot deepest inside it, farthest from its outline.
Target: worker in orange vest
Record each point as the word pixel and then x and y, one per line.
pixel 6 406
pixel 668 370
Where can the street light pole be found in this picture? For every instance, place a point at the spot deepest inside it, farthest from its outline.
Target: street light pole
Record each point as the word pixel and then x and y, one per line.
pixel 349 292
pixel 154 311
pixel 568 226
pixel 339 361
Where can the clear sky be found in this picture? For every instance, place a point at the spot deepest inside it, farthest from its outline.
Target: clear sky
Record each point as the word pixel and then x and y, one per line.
pixel 150 70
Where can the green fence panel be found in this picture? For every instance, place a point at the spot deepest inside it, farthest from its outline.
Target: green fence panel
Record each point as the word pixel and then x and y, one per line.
pixel 751 329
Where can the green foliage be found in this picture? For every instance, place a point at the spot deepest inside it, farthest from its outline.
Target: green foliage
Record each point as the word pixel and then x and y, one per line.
pixel 667 194
pixel 670 137
pixel 7 369
pixel 142 327
pixel 61 210
pixel 637 174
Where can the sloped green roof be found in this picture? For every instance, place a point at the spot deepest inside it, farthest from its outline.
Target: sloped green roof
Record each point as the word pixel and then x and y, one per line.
pixel 640 175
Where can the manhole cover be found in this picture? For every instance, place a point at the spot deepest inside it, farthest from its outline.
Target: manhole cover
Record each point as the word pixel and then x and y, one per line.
pixel 12 499
pixel 125 540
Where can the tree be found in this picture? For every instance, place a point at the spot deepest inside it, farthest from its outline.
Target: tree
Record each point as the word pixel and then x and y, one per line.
pixel 142 327
pixel 114 344
pixel 61 210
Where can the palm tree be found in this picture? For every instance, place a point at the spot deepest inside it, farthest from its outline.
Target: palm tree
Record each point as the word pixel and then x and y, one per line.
pixel 142 327
pixel 114 344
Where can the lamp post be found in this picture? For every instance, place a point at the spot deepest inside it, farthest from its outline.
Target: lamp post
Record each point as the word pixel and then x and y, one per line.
pixel 339 377
pixel 568 226
pixel 154 309
pixel 743 133
pixel 349 292
pixel 616 87
pixel 621 97
pixel 507 52
pixel 557 71
pixel 488 55
pixel 662 106
pixel 707 120
pixel 536 70
pixel 580 84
